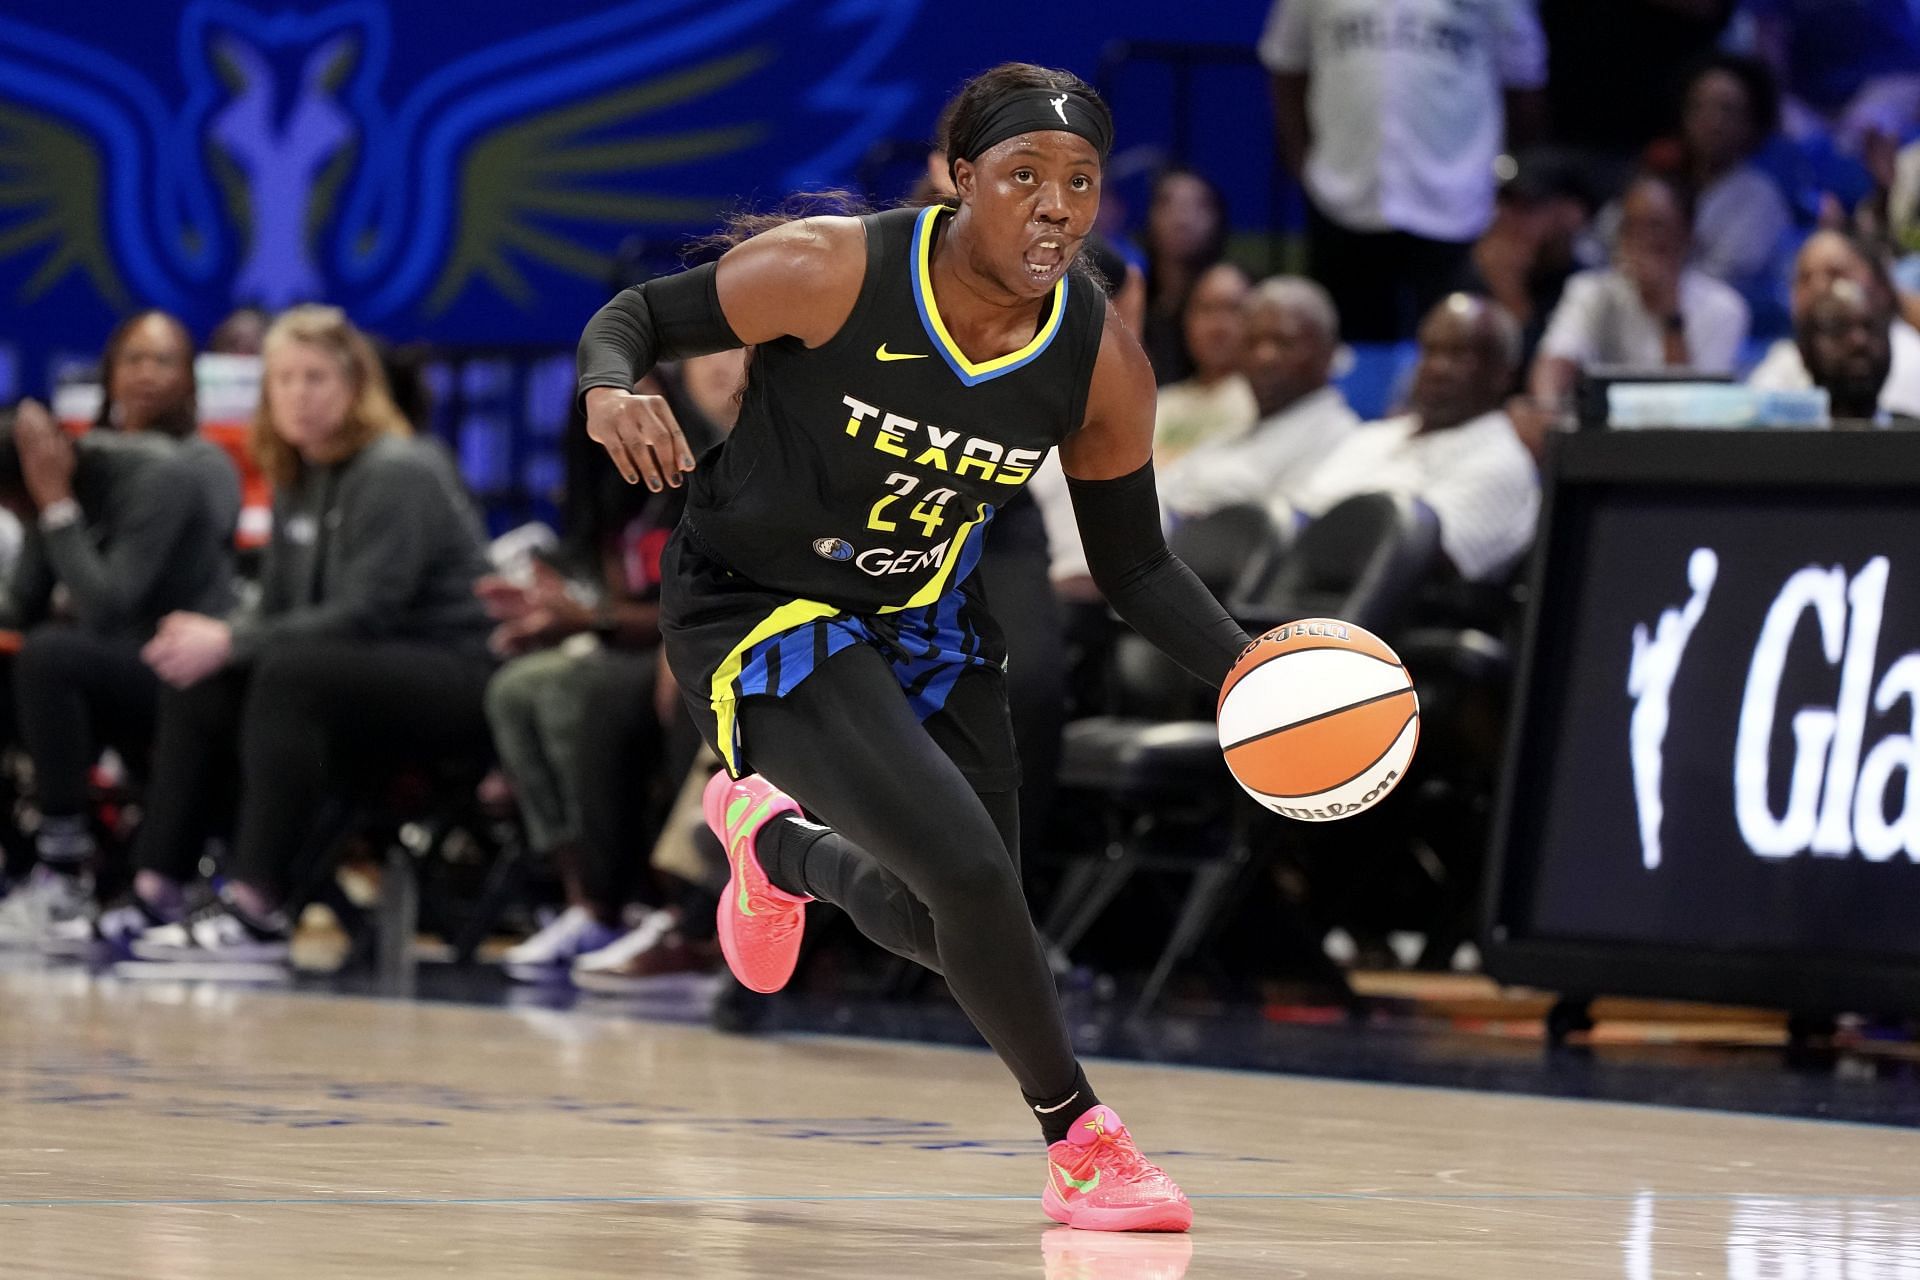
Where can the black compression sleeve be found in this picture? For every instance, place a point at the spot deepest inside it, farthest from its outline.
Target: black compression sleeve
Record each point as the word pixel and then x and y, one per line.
pixel 1146 584
pixel 669 318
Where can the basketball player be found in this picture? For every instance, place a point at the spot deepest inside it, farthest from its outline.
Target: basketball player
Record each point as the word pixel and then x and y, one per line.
pixel 911 370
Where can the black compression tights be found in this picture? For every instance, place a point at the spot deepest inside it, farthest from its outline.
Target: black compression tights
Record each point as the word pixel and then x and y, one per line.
pixel 924 865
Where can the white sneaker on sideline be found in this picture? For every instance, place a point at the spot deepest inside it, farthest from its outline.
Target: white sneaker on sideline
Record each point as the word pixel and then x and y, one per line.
pixel 47 899
pixel 213 935
pixel 114 930
pixel 550 953
pixel 644 937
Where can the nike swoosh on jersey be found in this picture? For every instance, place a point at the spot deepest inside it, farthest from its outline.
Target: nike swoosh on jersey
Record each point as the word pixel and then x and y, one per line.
pixel 884 354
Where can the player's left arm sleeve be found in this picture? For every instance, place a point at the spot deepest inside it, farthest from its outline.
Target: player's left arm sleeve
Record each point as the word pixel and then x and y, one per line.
pixel 668 318
pixel 1146 584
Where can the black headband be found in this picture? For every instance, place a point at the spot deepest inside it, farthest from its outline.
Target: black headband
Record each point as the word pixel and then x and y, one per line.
pixel 1035 111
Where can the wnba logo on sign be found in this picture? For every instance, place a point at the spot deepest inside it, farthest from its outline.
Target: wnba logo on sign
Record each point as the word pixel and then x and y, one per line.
pixel 1838 785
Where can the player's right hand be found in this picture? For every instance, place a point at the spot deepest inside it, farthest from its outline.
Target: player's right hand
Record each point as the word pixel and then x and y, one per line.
pixel 640 435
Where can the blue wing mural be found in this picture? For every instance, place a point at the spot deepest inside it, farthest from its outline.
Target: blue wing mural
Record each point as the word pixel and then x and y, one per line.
pixel 287 156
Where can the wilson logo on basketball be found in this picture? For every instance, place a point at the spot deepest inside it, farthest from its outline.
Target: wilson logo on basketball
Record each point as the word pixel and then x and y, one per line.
pixel 1319 719
pixel 1331 630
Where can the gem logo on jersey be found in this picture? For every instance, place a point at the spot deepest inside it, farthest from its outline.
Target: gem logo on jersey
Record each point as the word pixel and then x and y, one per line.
pixel 836 549
pixel 881 562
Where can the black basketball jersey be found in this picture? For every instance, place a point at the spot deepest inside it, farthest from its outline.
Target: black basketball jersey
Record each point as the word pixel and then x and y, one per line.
pixel 862 473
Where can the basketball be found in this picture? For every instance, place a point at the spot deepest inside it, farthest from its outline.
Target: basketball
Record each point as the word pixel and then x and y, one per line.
pixel 1318 719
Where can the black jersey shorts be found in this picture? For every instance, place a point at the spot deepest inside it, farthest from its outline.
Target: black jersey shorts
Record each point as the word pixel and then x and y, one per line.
pixel 729 639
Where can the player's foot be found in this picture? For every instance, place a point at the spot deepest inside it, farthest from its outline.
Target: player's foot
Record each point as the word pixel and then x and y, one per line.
pixel 1097 1180
pixel 1081 1255
pixel 550 953
pixel 760 925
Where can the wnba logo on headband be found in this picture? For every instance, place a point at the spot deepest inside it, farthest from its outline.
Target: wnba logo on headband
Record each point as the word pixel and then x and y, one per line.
pixel 1035 111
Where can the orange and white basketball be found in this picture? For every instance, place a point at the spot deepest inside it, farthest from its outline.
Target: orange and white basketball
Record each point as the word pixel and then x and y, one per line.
pixel 1319 719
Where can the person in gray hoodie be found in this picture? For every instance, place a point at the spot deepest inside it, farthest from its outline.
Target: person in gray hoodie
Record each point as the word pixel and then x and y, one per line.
pixel 121 529
pixel 367 644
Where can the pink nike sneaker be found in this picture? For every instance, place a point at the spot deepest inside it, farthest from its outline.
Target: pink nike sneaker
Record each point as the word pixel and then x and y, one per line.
pixel 1097 1180
pixel 760 925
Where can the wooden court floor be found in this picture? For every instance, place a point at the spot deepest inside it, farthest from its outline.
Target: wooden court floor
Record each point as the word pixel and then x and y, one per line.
pixel 173 1130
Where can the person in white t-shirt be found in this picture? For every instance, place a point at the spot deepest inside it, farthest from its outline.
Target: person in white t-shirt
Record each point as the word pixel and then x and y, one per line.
pixel 1826 258
pixel 1454 450
pixel 1391 113
pixel 1213 402
pixel 1291 336
pixel 1649 310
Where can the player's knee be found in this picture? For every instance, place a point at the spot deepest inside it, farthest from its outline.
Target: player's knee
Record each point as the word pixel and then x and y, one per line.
pixel 972 875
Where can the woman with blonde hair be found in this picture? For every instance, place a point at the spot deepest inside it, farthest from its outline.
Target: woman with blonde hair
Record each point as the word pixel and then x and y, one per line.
pixel 367 642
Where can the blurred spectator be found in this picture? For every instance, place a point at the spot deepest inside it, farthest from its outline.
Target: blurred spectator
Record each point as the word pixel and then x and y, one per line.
pixel 1844 339
pixel 146 373
pixel 1825 259
pixel 405 367
pixel 1454 450
pixel 1650 309
pixel 1291 337
pixel 625 830
pixel 1391 115
pixel 241 333
pixel 1730 111
pixel 586 649
pixel 1897 172
pixel 123 528
pixel 672 944
pixel 1214 402
pixel 1186 233
pixel 147 384
pixel 1614 71
pixel 1527 256
pixel 1849 67
pixel 1901 180
pixel 367 649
